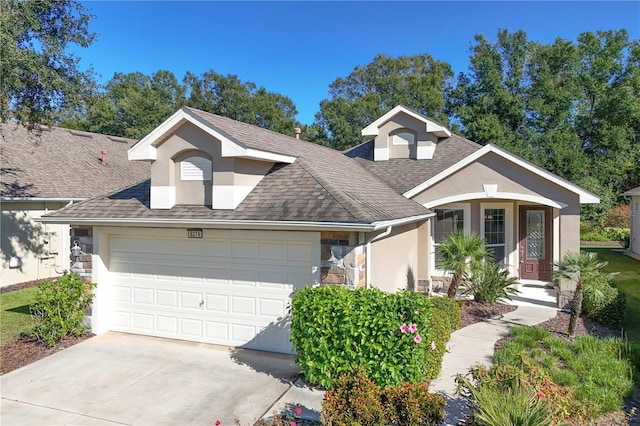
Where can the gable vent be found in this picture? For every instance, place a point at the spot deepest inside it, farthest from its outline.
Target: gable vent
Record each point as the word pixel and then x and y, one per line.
pixel 195 168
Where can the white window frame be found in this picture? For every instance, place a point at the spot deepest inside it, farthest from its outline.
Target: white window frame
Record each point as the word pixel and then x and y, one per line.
pixel 466 226
pixel 508 231
pixel 195 168
pixel 403 138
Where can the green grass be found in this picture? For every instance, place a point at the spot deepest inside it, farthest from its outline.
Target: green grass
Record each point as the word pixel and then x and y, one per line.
pixel 598 371
pixel 628 282
pixel 14 314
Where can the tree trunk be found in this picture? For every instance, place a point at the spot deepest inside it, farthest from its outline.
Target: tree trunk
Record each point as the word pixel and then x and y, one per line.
pixel 453 285
pixel 576 309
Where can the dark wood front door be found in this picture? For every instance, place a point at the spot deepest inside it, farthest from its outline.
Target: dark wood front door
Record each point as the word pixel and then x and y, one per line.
pixel 535 243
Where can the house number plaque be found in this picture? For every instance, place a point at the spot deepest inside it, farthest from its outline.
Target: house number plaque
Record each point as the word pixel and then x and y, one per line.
pixel 194 233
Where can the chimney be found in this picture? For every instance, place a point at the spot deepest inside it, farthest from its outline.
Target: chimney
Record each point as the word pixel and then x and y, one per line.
pixel 297 131
pixel 104 157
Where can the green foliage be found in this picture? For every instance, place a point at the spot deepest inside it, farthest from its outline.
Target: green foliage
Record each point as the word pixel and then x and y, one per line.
pixel 591 232
pixel 581 268
pixel 462 255
pixel 59 307
pixel 38 73
pixel 335 330
pixel 491 283
pixel 604 303
pixel 356 400
pixel 581 380
pixel 418 82
pixel 445 319
pixel 517 405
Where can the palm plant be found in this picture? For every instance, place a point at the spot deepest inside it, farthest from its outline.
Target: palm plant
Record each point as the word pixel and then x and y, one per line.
pixel 581 268
pixel 461 254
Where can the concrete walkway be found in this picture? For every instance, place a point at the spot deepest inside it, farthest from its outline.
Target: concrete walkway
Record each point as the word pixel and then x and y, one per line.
pixel 466 347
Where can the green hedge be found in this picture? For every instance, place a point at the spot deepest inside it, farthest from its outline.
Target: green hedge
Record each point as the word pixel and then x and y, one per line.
pixel 335 331
pixel 604 303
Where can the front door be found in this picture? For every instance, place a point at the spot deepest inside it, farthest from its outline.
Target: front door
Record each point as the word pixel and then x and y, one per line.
pixel 535 243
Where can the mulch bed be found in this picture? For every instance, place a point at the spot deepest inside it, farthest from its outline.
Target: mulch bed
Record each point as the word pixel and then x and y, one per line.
pixel 472 312
pixel 26 284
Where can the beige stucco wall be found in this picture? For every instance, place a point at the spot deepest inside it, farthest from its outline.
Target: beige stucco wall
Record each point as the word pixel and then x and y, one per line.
pixel 21 236
pixel 396 258
pixel 188 140
pixel 634 241
pixel 399 122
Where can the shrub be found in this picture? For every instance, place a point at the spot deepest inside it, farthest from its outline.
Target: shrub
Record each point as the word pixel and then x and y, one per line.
pixel 604 303
pixel 491 283
pixel 60 307
pixel 444 320
pixel 335 330
pixel 356 400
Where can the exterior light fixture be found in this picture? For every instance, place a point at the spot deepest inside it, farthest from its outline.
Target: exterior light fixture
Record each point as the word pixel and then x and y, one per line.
pixel 76 250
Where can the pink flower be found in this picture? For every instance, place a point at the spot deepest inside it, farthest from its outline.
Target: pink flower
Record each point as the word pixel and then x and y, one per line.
pixel 417 339
pixel 540 395
pixel 297 410
pixel 403 328
pixel 417 312
pixel 217 422
pixel 293 423
pixel 433 345
pixel 412 328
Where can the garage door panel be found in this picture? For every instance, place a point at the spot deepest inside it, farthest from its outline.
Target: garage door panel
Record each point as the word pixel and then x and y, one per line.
pixel 215 291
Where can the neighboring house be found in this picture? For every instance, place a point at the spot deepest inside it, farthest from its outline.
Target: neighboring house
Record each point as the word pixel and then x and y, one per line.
pixel 634 239
pixel 235 217
pixel 43 171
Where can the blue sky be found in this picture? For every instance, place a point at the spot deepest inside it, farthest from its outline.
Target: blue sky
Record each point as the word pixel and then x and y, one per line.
pixel 298 48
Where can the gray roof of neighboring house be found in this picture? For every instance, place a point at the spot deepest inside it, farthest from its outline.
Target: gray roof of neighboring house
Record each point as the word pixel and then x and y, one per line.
pixel 405 174
pixel 57 163
pixel 322 185
pixel 634 191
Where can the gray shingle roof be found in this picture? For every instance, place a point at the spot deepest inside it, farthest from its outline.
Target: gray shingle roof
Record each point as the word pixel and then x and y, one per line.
pixel 62 163
pixel 404 174
pixel 322 185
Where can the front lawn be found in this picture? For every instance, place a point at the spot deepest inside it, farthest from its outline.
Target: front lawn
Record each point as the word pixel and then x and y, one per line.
pixel 628 282
pixel 15 317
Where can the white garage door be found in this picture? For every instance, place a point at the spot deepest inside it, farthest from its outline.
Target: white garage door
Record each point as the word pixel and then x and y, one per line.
pixel 232 291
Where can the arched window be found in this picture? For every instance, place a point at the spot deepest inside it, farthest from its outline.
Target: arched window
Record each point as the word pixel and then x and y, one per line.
pixel 195 168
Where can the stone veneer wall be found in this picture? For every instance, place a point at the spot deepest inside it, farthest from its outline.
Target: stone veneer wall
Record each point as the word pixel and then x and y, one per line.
pixel 83 265
pixel 350 267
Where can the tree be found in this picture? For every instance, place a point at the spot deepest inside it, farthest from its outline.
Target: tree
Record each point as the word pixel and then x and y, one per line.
pixel 131 105
pixel 243 101
pixel 418 82
pixel 461 254
pixel 38 73
pixel 581 268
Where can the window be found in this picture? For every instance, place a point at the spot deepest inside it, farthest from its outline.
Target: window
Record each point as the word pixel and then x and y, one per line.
pixel 446 222
pixel 403 138
pixel 495 233
pixel 195 168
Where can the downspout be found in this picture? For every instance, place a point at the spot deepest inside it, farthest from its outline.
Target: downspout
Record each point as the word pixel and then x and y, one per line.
pixel 367 282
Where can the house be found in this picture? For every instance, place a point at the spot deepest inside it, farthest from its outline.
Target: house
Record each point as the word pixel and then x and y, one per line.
pixel 634 238
pixel 235 217
pixel 42 171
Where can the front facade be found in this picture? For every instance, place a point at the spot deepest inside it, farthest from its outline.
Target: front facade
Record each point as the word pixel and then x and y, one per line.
pixel 235 218
pixel 634 238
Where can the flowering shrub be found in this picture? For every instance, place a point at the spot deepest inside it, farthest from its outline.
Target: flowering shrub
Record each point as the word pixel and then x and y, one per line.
pixel 335 330
pixel 59 307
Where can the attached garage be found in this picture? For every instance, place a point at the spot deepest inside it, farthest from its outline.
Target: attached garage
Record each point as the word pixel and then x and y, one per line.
pixel 229 287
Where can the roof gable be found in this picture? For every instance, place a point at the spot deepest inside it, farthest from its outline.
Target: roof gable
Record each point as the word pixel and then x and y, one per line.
pixel 231 147
pixel 586 197
pixel 431 126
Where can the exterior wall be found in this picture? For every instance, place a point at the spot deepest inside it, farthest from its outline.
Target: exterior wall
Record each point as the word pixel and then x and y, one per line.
pixel 396 261
pixel 424 142
pixel 231 181
pixel 634 240
pixel 349 266
pixel 22 237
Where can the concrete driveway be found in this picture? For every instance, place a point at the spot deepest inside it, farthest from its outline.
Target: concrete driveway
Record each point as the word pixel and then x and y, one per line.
pixel 135 380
